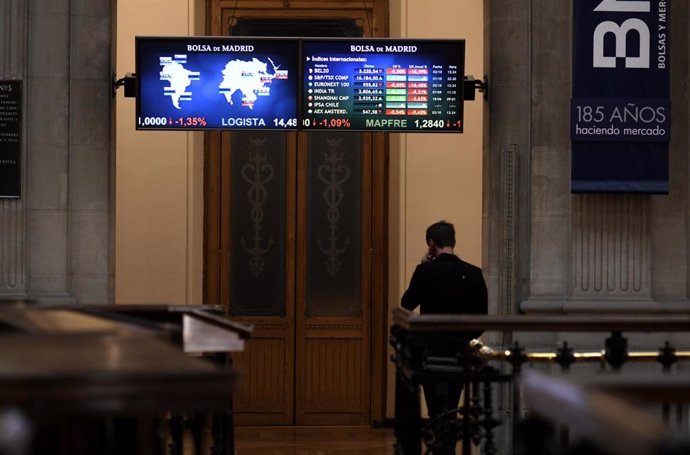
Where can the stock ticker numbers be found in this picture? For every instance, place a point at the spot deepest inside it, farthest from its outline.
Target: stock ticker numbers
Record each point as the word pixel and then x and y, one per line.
pixel 182 122
pixel 383 86
pixel 193 83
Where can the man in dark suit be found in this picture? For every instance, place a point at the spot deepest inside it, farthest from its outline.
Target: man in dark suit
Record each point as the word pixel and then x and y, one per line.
pixel 445 284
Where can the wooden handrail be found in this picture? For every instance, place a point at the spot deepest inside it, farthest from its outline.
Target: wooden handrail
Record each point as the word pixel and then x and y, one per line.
pixel 650 387
pixel 460 322
pixel 242 329
pixel 156 315
pixel 615 426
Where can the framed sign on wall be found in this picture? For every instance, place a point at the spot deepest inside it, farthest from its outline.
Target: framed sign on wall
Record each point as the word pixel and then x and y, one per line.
pixel 10 138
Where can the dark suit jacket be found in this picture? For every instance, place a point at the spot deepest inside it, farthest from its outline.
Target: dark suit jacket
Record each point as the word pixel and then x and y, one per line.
pixel 447 285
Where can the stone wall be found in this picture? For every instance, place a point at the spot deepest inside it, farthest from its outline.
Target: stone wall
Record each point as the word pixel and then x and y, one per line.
pixel 549 251
pixel 56 239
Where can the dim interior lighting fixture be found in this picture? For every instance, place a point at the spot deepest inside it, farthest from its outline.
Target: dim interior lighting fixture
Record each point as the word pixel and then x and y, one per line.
pixel 471 84
pixel 129 82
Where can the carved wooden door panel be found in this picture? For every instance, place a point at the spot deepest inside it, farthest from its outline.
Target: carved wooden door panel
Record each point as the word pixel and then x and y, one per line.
pixel 297 228
pixel 333 278
pixel 295 245
pixel 258 239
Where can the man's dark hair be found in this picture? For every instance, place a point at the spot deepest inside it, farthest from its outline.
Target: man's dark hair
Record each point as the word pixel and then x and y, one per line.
pixel 442 233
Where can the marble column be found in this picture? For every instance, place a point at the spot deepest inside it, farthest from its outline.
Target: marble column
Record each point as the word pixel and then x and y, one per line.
pixel 13 45
pixel 58 243
pixel 550 251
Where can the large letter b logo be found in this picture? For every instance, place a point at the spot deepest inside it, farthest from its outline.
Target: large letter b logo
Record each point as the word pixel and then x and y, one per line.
pixel 620 32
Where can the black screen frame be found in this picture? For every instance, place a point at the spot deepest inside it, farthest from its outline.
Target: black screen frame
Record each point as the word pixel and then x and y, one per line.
pixel 217 39
pixel 299 89
pixel 401 41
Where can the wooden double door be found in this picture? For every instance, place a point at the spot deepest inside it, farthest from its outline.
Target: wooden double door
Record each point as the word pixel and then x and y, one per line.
pixel 295 240
pixel 297 224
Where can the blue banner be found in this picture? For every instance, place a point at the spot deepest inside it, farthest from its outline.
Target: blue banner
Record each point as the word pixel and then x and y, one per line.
pixel 620 123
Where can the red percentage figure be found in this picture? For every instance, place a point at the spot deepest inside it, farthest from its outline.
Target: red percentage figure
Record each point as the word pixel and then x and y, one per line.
pixel 339 123
pixel 196 121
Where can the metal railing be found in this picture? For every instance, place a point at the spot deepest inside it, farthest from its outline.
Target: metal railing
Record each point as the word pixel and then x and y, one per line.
pixel 482 368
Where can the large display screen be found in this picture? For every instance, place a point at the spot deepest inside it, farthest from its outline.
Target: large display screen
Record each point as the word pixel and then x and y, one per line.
pixel 383 85
pixel 195 83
